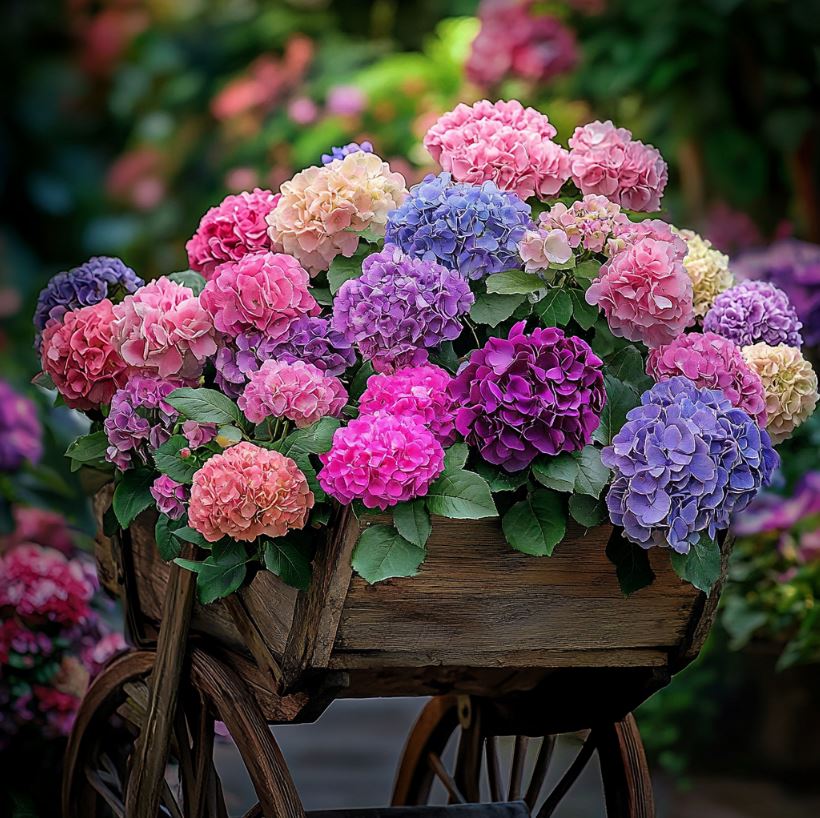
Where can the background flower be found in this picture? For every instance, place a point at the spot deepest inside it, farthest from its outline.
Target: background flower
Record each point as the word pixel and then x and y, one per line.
pixel 709 270
pixel 21 436
pixel 340 153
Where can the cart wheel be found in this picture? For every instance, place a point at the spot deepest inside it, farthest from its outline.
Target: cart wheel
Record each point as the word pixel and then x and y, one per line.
pixel 626 784
pixel 97 762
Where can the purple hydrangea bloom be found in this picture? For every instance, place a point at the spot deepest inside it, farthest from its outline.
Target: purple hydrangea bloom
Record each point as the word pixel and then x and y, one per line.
pixel 400 307
pixel 684 462
pixel 526 395
pixel 140 420
pixel 100 277
pixel 754 311
pixel 169 496
pixel 345 150
pixel 309 339
pixel 21 437
pixel 470 228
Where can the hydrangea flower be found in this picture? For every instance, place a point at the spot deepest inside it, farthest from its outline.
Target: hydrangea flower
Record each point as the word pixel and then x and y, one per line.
pixel 712 362
pixel 231 230
pixel 346 150
pixel 21 436
pixel 81 357
pixel 39 526
pixel 685 461
pixel 247 492
pixel 400 307
pixel 100 277
pixel 297 391
pixel 169 496
pixel 789 383
pixel 262 292
pixel 755 311
pixel 139 421
pixel 381 460
pixel 606 160
pixel 628 233
pixel 324 210
pixel 588 223
pixel 470 228
pixel 645 293
pixel 414 391
pixel 540 248
pixel 526 395
pixel 709 270
pixel 503 143
pixel 163 328
pixel 198 434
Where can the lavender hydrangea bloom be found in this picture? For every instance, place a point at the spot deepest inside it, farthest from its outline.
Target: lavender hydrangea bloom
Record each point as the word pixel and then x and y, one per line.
pixel 525 395
pixel 139 420
pixel 100 277
pixel 754 311
pixel 345 150
pixel 685 461
pixel 470 228
pixel 21 437
pixel 400 307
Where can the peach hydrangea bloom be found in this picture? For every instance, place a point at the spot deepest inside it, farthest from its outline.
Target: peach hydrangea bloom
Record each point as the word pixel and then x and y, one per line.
pixel 790 385
pixel 163 328
pixel 323 210
pixel 708 268
pixel 247 492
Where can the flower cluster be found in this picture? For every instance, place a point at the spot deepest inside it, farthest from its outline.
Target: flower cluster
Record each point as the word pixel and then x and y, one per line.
pixel 324 210
pixel 712 362
pixel 588 223
pixel 529 394
pixel 235 227
pixel 755 311
pixel 345 150
pixel 606 160
pixel 400 308
pixel 542 247
pixel 39 526
pixel 625 234
pixel 297 391
pixel 21 437
pixel 685 461
pixel 169 496
pixel 709 270
pixel 470 228
pixel 500 142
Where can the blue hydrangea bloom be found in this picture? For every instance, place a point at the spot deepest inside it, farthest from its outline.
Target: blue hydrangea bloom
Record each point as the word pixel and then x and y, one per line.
pixel 684 462
pixel 340 153
pixel 100 277
pixel 474 229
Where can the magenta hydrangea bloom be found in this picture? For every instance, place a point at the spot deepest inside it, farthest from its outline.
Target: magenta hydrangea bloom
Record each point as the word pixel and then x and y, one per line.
pixel 755 311
pixel 297 391
pixel 261 292
pixel 400 307
pixel 169 496
pixel 414 391
pixel 526 395
pixel 231 230
pixel 198 434
pixel 21 436
pixel 381 460
pixel 713 362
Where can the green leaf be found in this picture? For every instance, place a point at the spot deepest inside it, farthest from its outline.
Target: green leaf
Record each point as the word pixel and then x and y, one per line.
pixel 191 535
pixel 701 566
pixel 316 438
pixel 88 449
pixel 455 457
pixel 741 619
pixel 536 525
pixel 167 543
pixel 382 552
pixel 586 510
pixel 631 564
pixel 593 475
pixel 514 282
pixel 627 365
pixel 498 479
pixel 586 271
pixel 132 495
pixel 555 308
pixel 446 357
pixel 620 398
pixel 219 575
pixel 288 562
pixel 413 522
pixel 359 382
pixel 461 495
pixel 584 314
pixel 322 296
pixel 491 308
pixel 190 279
pixel 205 406
pixel 559 472
pixel 169 462
pixel 343 269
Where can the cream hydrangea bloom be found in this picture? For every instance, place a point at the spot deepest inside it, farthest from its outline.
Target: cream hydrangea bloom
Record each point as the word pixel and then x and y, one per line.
pixel 790 385
pixel 323 210
pixel 708 268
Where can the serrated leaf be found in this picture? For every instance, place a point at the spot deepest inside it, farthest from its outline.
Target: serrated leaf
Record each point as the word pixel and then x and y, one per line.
pixel 455 457
pixel 167 543
pixel 491 308
pixel 343 269
pixel 461 495
pixel 359 382
pixel 499 480
pixel 382 552
pixel 587 511
pixel 536 525
pixel 189 278
pixel 315 439
pixel 585 315
pixel 593 475
pixel 514 282
pixel 620 398
pixel 88 449
pixel 701 566
pixel 220 574
pixel 132 495
pixel 631 564
pixel 412 521
pixel 322 296
pixel 168 461
pixel 288 562
pixel 191 535
pixel 205 406
pixel 555 308
pixel 586 271
pixel 627 365
pixel 559 472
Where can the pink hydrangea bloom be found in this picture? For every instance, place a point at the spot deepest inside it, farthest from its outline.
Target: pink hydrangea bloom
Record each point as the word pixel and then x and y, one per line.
pixel 81 357
pixel 198 434
pixel 645 293
pixel 324 210
pixel 247 492
pixel 540 248
pixel 502 142
pixel 713 362
pixel 381 460
pixel 39 526
pixel 414 391
pixel 588 223
pixel 607 161
pixel 298 391
pixel 232 229
pixel 264 292
pixel 97 655
pixel 163 328
pixel 627 233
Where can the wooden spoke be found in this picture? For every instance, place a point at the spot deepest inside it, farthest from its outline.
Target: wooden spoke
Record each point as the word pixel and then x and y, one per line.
pixel 493 768
pixel 539 773
pixel 570 777
pixel 113 801
pixel 517 771
pixel 254 812
pixel 446 779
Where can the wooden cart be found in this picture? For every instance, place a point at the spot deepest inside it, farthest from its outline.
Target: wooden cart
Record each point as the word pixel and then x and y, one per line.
pixel 507 644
